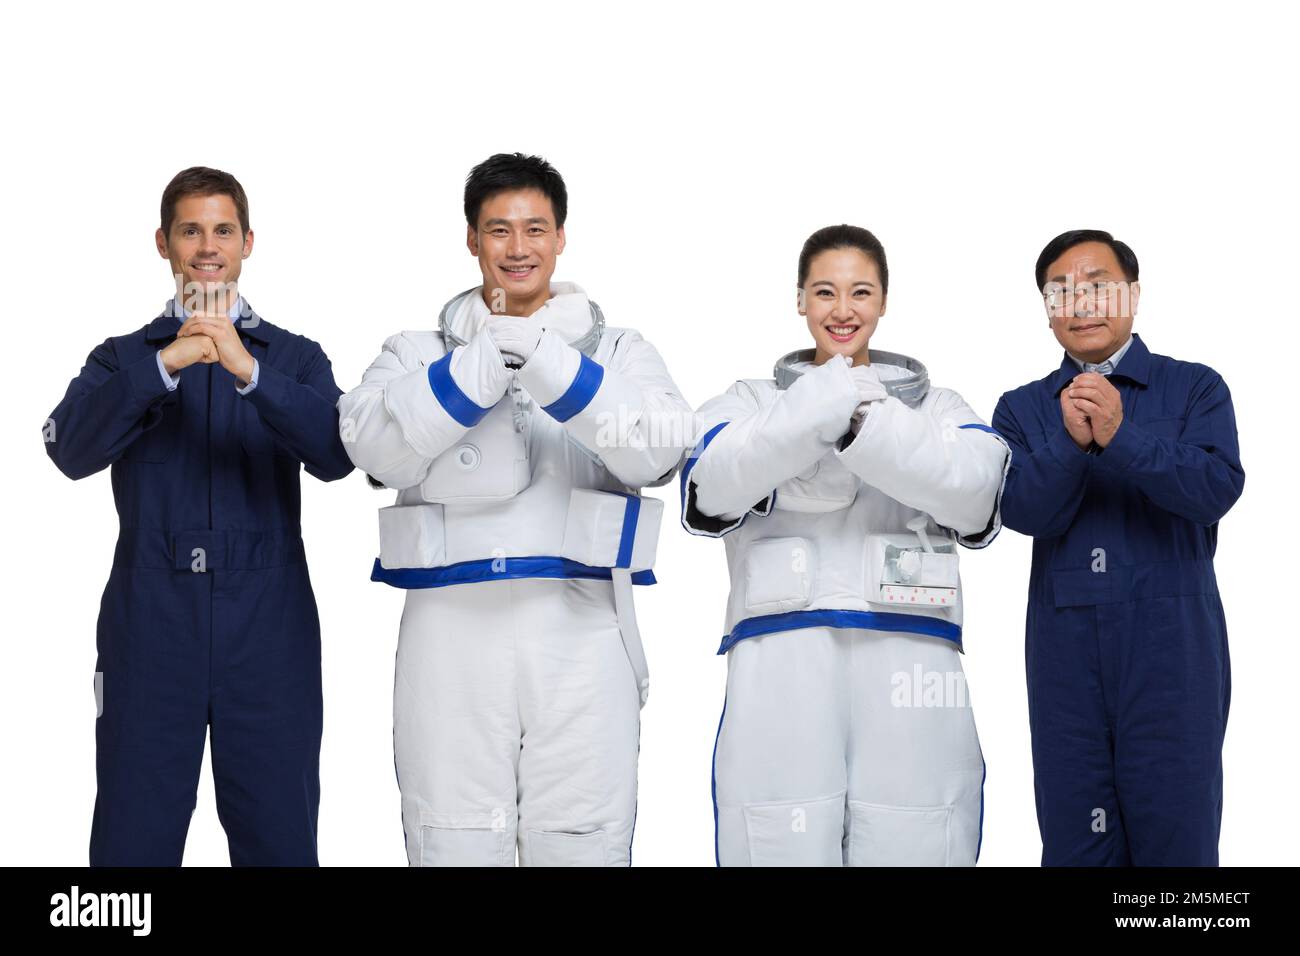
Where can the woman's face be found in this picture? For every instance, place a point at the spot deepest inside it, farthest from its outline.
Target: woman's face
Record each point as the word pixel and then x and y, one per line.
pixel 842 300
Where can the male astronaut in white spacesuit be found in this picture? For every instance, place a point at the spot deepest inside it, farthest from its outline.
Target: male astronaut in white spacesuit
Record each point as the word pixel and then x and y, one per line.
pixel 517 436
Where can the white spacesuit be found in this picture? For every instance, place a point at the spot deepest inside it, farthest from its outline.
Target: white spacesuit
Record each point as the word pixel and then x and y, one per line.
pixel 846 735
pixel 518 532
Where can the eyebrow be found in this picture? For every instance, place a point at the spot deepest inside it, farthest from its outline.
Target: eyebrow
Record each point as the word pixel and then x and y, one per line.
pixel 828 282
pixel 1089 274
pixel 505 222
pixel 186 225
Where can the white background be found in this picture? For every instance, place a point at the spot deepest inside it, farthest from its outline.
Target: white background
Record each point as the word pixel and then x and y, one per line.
pixel 701 144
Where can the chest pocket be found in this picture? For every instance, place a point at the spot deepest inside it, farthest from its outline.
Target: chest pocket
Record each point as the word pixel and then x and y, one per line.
pixel 162 426
pixel 489 463
pixel 827 486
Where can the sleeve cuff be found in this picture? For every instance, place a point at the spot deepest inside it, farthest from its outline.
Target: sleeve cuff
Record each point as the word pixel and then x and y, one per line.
pixel 426 425
pixel 272 388
pixel 1065 452
pixel 451 397
pixel 169 380
pixel 1124 447
pixel 252 380
pixel 148 380
pixel 855 451
pixel 560 379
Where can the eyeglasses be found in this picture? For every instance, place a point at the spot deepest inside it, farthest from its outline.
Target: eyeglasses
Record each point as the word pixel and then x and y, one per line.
pixel 1092 298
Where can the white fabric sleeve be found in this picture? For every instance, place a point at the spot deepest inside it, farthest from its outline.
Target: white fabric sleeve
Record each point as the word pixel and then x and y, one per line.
pixel 627 412
pixel 941 459
pixel 748 448
pixel 404 414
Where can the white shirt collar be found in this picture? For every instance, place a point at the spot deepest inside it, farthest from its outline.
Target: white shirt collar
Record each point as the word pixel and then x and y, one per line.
pixel 1106 366
pixel 235 312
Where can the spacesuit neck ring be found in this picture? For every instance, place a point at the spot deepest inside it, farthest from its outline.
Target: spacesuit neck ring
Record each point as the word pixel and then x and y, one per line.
pixel 585 343
pixel 909 390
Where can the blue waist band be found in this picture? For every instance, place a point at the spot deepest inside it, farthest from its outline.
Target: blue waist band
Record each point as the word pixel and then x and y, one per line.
pixel 495 569
pixel 866 620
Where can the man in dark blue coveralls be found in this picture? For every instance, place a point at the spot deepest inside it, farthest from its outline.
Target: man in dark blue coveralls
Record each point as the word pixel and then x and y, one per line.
pixel 208 618
pixel 1123 462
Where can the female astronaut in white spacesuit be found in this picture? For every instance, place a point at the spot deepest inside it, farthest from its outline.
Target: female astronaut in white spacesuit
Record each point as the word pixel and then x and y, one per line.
pixel 841 488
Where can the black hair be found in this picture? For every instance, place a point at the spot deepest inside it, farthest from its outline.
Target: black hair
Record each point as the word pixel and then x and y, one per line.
pixel 844 236
pixel 507 171
pixel 1075 237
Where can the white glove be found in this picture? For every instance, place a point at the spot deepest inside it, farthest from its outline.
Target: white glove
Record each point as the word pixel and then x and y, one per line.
pixel 870 390
pixel 515 337
pixel 867 380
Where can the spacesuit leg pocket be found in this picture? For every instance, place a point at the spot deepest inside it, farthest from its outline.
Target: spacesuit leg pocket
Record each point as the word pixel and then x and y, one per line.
pixel 796 833
pixel 779 574
pixel 899 836
pixel 557 848
pixel 465 846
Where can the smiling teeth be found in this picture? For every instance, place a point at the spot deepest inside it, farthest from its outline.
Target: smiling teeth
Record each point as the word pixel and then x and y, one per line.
pixel 842 329
pixel 209 268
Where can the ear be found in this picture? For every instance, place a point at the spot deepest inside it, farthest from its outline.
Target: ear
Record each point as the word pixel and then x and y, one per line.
pixel 160 240
pixel 1134 293
pixel 248 244
pixel 884 302
pixel 471 240
pixel 559 240
pixel 801 301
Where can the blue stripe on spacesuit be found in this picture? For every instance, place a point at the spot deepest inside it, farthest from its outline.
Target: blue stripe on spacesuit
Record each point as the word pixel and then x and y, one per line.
pixel 469 572
pixel 717 855
pixel 829 617
pixel 983 428
pixel 696 452
pixel 685 477
pixel 630 515
pixel 456 403
pixel 579 393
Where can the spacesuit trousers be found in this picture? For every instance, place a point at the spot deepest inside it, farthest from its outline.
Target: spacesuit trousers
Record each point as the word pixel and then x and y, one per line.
pixel 516 725
pixel 847 747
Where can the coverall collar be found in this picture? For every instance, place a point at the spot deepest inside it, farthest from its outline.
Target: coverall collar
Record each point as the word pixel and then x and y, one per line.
pixel 1134 366
pixel 167 324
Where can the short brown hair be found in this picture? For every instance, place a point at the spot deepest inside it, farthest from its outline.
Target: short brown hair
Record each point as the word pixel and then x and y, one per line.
pixel 203 181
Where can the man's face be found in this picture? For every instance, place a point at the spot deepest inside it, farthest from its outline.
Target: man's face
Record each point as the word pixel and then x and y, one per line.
pixel 205 247
pixel 516 242
pixel 842 300
pixel 1090 304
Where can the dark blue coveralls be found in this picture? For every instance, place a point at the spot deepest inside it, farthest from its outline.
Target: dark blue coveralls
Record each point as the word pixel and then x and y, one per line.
pixel 1126 646
pixel 208 618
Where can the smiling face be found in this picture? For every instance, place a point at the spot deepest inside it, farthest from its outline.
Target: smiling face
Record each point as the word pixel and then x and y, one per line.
pixel 1090 303
pixel 206 248
pixel 516 242
pixel 842 301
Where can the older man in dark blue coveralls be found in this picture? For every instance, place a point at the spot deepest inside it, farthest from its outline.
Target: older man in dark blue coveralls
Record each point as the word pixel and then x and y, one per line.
pixel 1123 462
pixel 208 619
